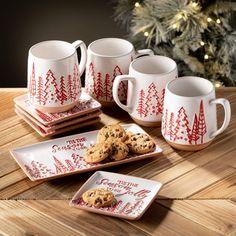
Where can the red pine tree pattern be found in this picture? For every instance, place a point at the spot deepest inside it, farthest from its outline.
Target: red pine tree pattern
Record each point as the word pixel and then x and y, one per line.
pixel 77 79
pixel 140 109
pixel 202 129
pixel 90 80
pixel 160 107
pixel 51 92
pixel 122 90
pixel 60 167
pixel 181 130
pixel 40 99
pixel 164 123
pixel 170 126
pixel 70 89
pixel 152 101
pixel 107 88
pixel 70 165
pixel 32 85
pixel 194 131
pixel 43 115
pixel 62 93
pixel 98 84
pixel 35 170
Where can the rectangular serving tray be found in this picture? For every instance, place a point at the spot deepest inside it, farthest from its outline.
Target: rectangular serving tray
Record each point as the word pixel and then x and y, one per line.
pixel 65 156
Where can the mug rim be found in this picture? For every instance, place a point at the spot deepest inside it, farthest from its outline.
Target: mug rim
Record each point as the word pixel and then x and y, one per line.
pixel 55 59
pixel 190 78
pixel 109 56
pixel 152 74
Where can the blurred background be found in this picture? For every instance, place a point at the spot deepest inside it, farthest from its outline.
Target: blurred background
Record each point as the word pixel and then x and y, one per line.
pixel 209 53
pixel 25 23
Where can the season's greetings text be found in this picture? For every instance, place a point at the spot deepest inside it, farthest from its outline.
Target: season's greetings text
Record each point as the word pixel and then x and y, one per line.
pixel 121 187
pixel 71 144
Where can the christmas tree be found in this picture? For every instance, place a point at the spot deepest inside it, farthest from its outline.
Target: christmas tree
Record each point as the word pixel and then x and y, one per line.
pixel 40 99
pixel 62 92
pixel 140 109
pixel 197 34
pixel 181 130
pixel 152 101
pixel 107 88
pixel 202 129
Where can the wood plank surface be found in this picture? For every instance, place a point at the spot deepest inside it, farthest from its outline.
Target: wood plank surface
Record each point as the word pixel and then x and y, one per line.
pixel 198 195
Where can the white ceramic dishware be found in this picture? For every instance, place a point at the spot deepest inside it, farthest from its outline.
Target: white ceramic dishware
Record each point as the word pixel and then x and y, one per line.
pixel 65 156
pixel 54 74
pixel 107 58
pixel 189 118
pixel 85 105
pixel 147 79
pixel 133 195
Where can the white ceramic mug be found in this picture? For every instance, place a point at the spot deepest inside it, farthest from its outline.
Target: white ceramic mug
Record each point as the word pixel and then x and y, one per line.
pixel 147 79
pixel 107 58
pixel 189 119
pixel 54 75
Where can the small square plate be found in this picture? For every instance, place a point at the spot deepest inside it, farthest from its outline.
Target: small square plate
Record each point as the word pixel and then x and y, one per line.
pixel 86 105
pixel 133 195
pixel 50 133
pixel 65 156
pixel 63 124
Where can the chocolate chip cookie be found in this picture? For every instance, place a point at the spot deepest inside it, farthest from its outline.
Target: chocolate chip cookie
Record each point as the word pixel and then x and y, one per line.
pixel 98 152
pixel 119 150
pixel 114 131
pixel 140 143
pixel 98 197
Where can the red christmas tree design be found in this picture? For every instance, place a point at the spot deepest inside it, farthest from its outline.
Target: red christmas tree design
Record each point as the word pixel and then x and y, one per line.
pixel 32 84
pixel 116 71
pixel 99 92
pixel 194 133
pixel 140 109
pixel 202 129
pixel 63 96
pixel 35 170
pixel 165 122
pixel 90 81
pixel 77 78
pixel 122 90
pixel 107 88
pixel 181 130
pixel 171 125
pixel 43 116
pixel 51 91
pixel 40 99
pixel 70 165
pixel 60 167
pixel 152 101
pixel 70 88
pixel 160 107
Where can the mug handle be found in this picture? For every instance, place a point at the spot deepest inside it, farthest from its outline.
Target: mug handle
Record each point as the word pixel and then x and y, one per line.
pixel 226 105
pixel 82 64
pixel 115 88
pixel 143 52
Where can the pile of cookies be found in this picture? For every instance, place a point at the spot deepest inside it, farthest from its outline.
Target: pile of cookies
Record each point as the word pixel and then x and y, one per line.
pixel 114 144
pixel 98 197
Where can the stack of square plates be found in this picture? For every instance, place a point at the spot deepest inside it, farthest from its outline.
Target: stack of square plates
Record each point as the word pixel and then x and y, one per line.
pixel 86 112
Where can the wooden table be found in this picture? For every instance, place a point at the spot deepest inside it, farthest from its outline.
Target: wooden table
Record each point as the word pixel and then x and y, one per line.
pixel 198 197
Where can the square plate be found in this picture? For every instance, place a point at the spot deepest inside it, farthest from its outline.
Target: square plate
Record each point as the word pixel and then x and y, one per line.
pixel 48 128
pixel 86 105
pixel 133 195
pixel 50 133
pixel 64 156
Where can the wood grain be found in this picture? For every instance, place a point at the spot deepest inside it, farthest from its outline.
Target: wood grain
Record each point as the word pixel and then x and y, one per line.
pixel 198 195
